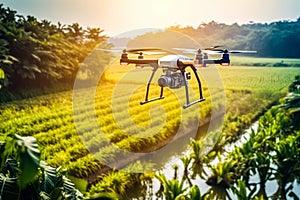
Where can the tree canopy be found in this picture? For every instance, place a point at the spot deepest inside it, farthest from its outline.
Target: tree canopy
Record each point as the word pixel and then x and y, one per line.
pixel 276 39
pixel 37 53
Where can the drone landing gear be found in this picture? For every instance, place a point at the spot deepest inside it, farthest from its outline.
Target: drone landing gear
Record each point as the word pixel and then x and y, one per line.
pixel 154 99
pixel 185 80
pixel 192 103
pixel 188 103
pixel 148 87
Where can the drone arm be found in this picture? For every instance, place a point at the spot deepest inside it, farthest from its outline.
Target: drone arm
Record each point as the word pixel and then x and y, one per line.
pixel 222 61
pixel 207 61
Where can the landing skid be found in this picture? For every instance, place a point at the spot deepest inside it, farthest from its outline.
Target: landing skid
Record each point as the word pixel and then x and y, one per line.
pixel 188 103
pixel 192 103
pixel 150 100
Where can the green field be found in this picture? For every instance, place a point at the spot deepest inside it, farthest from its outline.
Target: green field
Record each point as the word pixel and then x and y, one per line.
pixel 270 62
pixel 130 126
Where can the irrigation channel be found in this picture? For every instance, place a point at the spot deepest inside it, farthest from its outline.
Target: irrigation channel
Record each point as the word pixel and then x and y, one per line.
pixel 168 168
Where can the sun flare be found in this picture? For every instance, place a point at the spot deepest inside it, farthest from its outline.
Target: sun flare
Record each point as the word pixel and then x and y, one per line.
pixel 161 7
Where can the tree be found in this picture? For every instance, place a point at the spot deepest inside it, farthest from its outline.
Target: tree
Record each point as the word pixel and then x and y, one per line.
pixel 75 33
pixel 38 55
pixel 94 34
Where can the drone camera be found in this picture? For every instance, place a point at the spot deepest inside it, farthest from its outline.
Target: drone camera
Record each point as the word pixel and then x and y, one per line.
pixel 173 81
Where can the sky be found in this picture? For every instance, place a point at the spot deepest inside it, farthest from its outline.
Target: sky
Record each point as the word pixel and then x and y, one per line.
pixel 119 16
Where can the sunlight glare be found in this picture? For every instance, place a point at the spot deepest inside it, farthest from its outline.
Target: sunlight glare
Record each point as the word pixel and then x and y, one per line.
pixel 161 7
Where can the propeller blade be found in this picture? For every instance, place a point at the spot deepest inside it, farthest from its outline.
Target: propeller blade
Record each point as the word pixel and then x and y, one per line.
pixel 214 53
pixel 110 50
pixel 213 48
pixel 217 50
pixel 185 50
pixel 220 51
pixel 144 50
pixel 241 51
pixel 154 53
pixel 195 51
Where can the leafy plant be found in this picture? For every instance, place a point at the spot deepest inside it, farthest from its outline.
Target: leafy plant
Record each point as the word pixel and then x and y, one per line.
pixel 287 162
pixel 114 182
pixel 24 176
pixel 172 189
pixel 240 190
pixel 197 158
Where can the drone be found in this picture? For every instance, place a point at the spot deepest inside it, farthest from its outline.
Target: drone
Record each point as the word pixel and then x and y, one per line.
pixel 174 68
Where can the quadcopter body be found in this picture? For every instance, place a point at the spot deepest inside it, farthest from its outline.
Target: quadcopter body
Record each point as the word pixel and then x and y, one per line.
pixel 174 67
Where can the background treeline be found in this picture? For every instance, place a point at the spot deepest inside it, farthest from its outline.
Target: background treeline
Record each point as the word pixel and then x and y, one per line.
pixel 279 39
pixel 39 56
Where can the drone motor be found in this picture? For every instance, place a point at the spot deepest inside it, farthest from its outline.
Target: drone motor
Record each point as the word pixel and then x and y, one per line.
pixel 225 61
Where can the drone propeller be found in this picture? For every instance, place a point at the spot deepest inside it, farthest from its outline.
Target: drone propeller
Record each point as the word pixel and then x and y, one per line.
pixel 149 52
pixel 193 51
pixel 221 51
pixel 213 48
pixel 241 51
pixel 146 51
pixel 118 50
pixel 209 50
pixel 186 50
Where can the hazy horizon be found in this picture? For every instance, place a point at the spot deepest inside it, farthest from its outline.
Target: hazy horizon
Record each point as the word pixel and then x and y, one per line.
pixel 118 16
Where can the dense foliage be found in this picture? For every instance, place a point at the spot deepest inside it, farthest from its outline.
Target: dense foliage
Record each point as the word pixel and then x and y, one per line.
pixel 40 55
pixel 24 176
